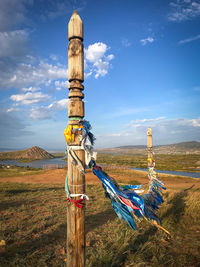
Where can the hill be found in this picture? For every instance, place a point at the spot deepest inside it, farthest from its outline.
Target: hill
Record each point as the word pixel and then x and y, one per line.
pixel 28 154
pixel 192 147
pixel 188 145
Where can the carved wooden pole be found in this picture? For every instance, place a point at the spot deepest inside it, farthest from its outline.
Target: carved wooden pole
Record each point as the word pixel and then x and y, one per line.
pixel 149 146
pixel 76 180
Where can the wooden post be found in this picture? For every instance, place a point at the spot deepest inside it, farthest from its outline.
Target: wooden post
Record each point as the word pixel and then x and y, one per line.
pixel 76 180
pixel 149 146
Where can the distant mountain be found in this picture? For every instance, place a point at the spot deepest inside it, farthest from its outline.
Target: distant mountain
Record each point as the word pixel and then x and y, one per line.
pixel 179 148
pixel 183 147
pixel 28 154
pixel 7 149
pixel 187 145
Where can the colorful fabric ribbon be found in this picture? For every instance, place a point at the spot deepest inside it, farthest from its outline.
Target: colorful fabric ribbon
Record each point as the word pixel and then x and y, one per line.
pixel 125 200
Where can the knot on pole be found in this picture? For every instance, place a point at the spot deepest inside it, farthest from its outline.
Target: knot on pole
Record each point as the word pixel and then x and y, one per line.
pixel 78 203
pixel 86 141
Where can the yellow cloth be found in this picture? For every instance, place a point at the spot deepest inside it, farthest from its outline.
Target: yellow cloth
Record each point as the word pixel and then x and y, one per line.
pixel 69 135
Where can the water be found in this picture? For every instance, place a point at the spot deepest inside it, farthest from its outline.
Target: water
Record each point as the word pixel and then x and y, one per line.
pixel 36 163
pixel 61 164
pixel 187 174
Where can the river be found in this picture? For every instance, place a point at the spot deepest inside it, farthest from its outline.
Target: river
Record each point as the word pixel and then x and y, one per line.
pixel 188 174
pixel 36 163
pixel 61 163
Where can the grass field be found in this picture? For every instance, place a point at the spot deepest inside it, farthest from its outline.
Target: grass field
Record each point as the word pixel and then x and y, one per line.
pixel 33 226
pixel 163 162
pixel 13 171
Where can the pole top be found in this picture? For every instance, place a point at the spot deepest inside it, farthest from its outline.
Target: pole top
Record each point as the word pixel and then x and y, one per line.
pixel 75 27
pixel 149 131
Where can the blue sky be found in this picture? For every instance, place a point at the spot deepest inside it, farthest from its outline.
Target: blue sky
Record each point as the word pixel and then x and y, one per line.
pixel 142 67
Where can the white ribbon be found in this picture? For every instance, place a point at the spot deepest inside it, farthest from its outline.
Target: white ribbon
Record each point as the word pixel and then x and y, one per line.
pixel 83 196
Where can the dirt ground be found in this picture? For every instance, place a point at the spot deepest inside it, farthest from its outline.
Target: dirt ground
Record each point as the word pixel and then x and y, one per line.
pixel 58 177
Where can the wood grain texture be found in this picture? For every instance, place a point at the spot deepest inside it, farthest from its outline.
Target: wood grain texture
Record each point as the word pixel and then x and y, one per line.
pixel 149 146
pixel 75 216
pixel 76 93
pixel 149 137
pixel 75 27
pixel 75 84
pixel 76 180
pixel 75 60
pixel 75 108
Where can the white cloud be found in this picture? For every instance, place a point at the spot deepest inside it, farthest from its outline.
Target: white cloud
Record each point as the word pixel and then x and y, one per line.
pixel 29 98
pixel 95 52
pixel 183 10
pixel 53 57
pixel 59 105
pixel 191 39
pixel 30 89
pixel 18 68
pixel 34 73
pixel 102 68
pixel 13 43
pixel 109 57
pixel 195 122
pixel 27 74
pixel 144 121
pixel 41 113
pixel 61 84
pixel 167 123
pixel 165 131
pixel 12 109
pixel 96 59
pixel 52 71
pixel 87 74
pixel 125 42
pixel 147 40
pixel 48 112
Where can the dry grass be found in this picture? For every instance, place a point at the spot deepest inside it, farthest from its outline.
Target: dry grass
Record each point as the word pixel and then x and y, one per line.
pixel 33 224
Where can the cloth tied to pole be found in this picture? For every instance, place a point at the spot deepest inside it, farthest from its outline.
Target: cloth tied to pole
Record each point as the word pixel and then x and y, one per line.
pixel 78 203
pixel 87 141
pixel 126 200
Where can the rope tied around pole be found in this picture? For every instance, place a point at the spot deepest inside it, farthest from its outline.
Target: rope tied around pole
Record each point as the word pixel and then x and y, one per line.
pixel 86 145
pixel 79 202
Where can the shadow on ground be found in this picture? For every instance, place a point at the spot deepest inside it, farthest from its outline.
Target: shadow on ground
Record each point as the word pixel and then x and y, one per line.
pixel 98 219
pixel 177 209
